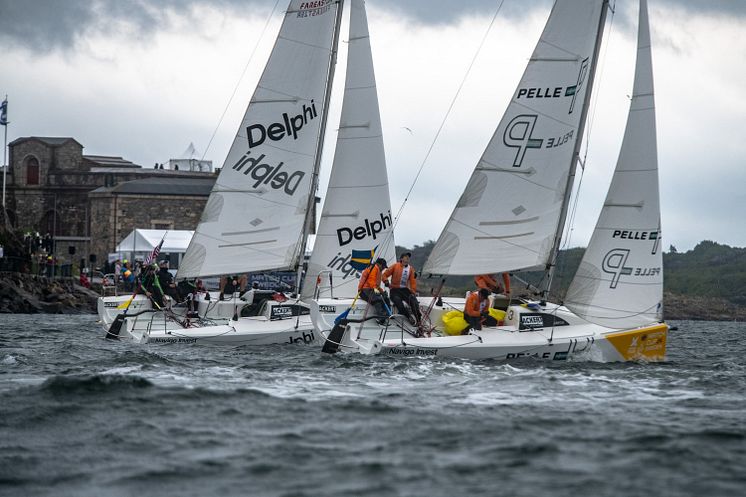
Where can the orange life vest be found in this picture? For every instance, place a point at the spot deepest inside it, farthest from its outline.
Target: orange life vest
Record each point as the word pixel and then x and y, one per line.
pixel 475 305
pixel 395 272
pixel 371 278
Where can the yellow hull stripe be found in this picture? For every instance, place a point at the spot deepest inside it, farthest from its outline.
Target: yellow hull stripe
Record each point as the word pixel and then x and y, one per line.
pixel 644 343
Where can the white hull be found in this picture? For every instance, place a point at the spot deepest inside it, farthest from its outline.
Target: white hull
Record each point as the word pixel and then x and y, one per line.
pixel 523 335
pixel 244 331
pixel 276 323
pixel 213 309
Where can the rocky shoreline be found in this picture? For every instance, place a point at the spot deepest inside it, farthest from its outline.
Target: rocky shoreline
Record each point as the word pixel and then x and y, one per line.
pixel 30 294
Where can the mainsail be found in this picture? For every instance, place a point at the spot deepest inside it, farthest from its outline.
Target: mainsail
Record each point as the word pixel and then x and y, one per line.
pixel 357 209
pixel 254 218
pixel 620 280
pixel 508 215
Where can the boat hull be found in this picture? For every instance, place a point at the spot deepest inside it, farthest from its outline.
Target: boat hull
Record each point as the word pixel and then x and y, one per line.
pixel 277 322
pixel 244 332
pixel 548 332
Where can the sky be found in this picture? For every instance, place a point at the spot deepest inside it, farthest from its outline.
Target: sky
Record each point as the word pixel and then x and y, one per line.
pixel 143 79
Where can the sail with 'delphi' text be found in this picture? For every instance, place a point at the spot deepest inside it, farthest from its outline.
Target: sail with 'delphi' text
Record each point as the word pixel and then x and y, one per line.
pixel 255 217
pixel 357 208
pixel 508 216
pixel 619 283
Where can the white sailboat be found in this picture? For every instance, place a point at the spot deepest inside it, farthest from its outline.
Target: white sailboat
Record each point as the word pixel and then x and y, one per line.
pixel 613 306
pixel 356 217
pixel 259 213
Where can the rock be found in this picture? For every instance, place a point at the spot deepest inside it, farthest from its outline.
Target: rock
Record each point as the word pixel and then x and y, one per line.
pixel 29 294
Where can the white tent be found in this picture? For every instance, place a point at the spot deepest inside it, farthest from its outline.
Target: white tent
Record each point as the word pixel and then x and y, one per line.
pixel 140 243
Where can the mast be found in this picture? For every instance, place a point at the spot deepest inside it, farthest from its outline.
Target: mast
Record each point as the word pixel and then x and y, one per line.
pixel 319 145
pixel 552 263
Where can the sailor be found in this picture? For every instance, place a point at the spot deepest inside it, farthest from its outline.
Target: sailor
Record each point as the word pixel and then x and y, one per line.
pixel 404 288
pixel 152 285
pixel 489 281
pixel 476 310
pixel 166 280
pixel 370 288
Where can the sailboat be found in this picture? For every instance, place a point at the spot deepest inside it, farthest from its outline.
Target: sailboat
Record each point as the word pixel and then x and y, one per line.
pixel 613 308
pixel 260 211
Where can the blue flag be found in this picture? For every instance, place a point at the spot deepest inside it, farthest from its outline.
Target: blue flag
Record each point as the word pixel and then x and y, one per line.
pixel 4 112
pixel 361 259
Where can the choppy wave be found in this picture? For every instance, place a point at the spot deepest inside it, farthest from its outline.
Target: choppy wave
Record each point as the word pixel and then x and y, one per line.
pixel 80 415
pixel 93 384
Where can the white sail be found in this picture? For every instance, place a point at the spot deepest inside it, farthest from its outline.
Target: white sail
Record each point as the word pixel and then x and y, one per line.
pixel 507 216
pixel 619 283
pixel 357 209
pixel 255 214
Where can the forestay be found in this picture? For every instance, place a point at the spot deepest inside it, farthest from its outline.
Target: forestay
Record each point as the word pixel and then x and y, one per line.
pixel 357 209
pixel 620 280
pixel 508 214
pixel 255 214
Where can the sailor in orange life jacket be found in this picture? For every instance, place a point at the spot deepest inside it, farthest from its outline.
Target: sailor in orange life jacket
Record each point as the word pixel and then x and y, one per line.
pixel 476 311
pixel 370 288
pixel 489 282
pixel 404 288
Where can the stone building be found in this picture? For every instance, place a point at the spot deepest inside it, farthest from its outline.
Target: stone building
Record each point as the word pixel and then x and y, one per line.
pixel 151 203
pixel 50 189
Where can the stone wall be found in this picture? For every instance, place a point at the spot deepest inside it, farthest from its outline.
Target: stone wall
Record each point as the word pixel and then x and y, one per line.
pixel 114 216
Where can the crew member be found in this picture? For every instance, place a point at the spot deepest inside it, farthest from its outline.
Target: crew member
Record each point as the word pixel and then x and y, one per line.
pixel 166 280
pixel 489 281
pixel 476 310
pixel 404 288
pixel 370 288
pixel 151 285
pixel 232 284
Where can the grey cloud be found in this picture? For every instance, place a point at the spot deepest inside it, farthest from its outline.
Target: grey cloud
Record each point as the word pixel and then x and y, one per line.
pixel 47 25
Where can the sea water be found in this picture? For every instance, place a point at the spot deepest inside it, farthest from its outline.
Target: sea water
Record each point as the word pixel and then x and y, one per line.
pixel 81 415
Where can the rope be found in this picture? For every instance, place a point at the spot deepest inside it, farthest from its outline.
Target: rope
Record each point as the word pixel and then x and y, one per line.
pixel 445 118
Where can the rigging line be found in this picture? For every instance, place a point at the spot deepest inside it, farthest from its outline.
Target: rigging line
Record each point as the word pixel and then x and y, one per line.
pixel 445 118
pixel 387 240
pixel 238 83
pixel 591 119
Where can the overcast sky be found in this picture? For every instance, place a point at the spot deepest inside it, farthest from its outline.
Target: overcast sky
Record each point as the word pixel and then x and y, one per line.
pixel 142 79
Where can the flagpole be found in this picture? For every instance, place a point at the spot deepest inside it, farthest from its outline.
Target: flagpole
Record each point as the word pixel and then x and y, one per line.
pixel 5 149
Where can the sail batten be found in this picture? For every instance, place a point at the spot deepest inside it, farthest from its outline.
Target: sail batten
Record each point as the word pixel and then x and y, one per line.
pixel 619 283
pixel 532 151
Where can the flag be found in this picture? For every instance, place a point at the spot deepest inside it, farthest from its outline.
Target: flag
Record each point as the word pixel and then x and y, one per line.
pixel 361 259
pixel 154 253
pixel 4 112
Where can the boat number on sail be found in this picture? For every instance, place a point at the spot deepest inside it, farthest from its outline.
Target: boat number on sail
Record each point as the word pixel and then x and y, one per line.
pixel 614 263
pixel 558 91
pixel 519 134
